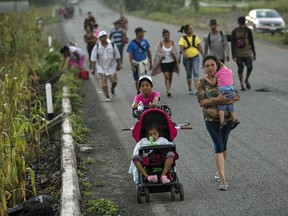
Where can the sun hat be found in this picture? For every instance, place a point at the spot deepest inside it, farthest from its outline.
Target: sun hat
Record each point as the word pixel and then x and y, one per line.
pixel 145 77
pixel 102 33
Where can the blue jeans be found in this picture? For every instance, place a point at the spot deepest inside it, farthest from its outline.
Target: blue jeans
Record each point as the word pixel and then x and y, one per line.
pixel 192 66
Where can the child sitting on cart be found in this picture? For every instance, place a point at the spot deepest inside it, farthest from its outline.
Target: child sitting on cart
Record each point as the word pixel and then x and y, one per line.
pixel 147 97
pixel 137 160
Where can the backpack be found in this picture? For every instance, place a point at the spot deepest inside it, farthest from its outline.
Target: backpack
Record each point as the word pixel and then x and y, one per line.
pixel 97 47
pixel 241 41
pixel 193 41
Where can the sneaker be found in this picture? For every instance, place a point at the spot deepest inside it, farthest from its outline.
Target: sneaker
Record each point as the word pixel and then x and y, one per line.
pixel 152 178
pixel 108 99
pixel 112 92
pixel 190 92
pixel 165 180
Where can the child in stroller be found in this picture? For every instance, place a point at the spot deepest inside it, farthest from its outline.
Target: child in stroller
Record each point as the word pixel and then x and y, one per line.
pixel 153 166
pixel 167 157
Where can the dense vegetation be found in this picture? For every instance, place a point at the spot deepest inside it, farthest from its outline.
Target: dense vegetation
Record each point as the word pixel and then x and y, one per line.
pixel 24 60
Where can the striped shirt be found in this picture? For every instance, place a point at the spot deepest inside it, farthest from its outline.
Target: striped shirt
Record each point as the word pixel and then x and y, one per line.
pixel 116 36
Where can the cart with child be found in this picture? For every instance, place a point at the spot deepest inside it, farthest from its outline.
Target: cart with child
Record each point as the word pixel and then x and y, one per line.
pixel 154 155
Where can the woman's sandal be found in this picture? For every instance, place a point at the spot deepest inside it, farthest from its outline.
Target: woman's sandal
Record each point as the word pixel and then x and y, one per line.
pixel 223 187
pixel 165 180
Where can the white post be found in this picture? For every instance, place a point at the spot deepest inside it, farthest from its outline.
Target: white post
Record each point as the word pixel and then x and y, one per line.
pixel 49 41
pixel 49 100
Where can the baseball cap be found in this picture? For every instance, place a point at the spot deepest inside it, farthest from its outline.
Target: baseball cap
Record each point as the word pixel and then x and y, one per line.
pixel 139 29
pixel 145 77
pixel 102 33
pixel 212 22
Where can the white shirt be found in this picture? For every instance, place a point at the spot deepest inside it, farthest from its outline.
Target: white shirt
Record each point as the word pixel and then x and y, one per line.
pixel 105 59
pixel 168 57
pixel 72 49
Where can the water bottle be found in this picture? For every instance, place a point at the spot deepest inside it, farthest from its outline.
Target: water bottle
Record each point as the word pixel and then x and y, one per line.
pixel 140 106
pixel 151 142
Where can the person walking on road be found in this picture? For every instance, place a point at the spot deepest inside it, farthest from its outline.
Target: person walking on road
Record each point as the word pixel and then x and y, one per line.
pixel 209 98
pixel 243 50
pixel 106 57
pixel 216 43
pixel 123 22
pixel 190 47
pixel 89 20
pixel 90 41
pixel 140 57
pixel 166 60
pixel 116 37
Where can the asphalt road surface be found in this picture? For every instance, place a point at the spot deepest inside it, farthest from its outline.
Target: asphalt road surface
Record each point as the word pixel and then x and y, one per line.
pixel 256 168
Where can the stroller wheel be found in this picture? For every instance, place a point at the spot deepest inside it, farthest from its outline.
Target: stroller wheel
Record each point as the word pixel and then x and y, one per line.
pixel 138 194
pixel 172 193
pixel 147 195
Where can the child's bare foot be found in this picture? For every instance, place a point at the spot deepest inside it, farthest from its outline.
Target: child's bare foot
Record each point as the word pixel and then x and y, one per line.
pixel 222 124
pixel 235 123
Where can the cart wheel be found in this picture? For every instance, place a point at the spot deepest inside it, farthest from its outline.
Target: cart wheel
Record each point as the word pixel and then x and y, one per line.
pixel 147 195
pixel 139 194
pixel 181 191
pixel 172 193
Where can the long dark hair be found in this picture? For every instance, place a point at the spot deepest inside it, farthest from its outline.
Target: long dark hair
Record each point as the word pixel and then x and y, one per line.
pixel 64 49
pixel 211 57
pixel 184 29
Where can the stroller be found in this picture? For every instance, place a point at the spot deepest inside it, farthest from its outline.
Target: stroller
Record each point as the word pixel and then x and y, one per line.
pixel 160 115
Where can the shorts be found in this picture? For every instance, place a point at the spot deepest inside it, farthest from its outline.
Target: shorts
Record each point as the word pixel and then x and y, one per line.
pixel 103 79
pixel 168 67
pixel 227 107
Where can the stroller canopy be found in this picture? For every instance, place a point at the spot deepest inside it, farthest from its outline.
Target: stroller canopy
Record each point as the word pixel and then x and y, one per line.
pixel 154 115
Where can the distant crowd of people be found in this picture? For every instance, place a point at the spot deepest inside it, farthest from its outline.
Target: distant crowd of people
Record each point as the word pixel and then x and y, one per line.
pixel 167 57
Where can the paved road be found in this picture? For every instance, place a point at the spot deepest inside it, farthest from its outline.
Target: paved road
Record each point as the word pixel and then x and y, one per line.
pixel 257 163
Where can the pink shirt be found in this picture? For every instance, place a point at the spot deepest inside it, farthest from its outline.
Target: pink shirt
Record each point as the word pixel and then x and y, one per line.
pixel 145 101
pixel 224 77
